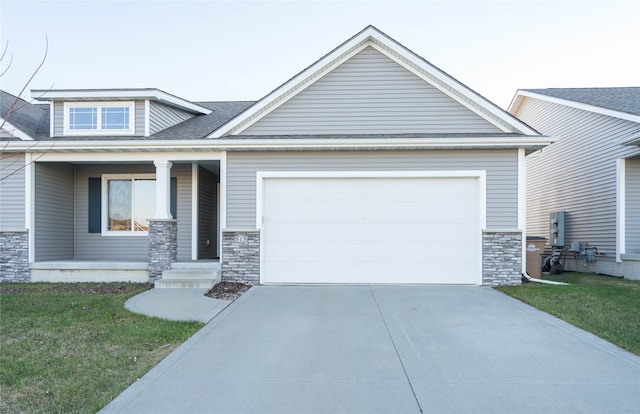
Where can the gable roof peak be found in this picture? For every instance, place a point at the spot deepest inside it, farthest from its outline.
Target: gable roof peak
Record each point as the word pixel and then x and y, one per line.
pixel 372 36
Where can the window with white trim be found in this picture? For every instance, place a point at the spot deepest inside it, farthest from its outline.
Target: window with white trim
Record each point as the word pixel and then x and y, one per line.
pixel 99 118
pixel 128 202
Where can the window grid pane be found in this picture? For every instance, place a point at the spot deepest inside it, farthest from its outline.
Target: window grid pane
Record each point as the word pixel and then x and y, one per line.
pixel 115 117
pixel 83 118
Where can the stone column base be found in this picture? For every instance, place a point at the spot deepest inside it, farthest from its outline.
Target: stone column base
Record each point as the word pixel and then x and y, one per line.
pixel 163 246
pixel 241 256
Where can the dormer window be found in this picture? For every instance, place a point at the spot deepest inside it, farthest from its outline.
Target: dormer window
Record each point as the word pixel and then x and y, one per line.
pixel 99 118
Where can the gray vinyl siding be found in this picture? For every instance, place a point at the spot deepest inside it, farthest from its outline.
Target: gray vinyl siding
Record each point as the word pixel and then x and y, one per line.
pixel 633 205
pixel 58 119
pixel 12 192
pixel 162 117
pixel 95 246
pixel 501 167
pixel 370 93
pixel 53 211
pixel 577 174
pixel 139 121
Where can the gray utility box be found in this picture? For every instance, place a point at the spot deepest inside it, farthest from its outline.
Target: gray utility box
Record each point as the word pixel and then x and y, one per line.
pixel 556 228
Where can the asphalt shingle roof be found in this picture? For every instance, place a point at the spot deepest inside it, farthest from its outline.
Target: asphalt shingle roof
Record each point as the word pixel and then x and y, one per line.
pixel 202 125
pixel 34 120
pixel 623 99
pixel 31 119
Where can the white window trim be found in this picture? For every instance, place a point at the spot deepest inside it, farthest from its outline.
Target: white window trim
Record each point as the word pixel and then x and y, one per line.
pixel 105 203
pixel 99 105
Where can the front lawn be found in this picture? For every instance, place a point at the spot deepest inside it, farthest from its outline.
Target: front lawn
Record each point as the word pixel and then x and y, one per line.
pixel 74 347
pixel 603 305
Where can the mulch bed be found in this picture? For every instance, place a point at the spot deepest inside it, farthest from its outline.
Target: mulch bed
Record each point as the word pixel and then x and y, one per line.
pixel 106 289
pixel 227 290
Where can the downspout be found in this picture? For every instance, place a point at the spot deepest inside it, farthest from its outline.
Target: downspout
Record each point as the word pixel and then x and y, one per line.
pixel 546 282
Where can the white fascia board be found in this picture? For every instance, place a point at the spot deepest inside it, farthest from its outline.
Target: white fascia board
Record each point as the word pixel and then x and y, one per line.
pixel 14 131
pixel 521 94
pixel 183 149
pixel 395 51
pixel 117 94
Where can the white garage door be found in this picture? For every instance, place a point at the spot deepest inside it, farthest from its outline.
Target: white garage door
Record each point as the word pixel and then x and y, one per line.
pixel 371 230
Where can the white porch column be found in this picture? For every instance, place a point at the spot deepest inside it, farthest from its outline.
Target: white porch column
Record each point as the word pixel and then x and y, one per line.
pixel 163 180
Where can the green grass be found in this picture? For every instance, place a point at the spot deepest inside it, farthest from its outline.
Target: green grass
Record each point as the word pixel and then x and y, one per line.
pixel 74 347
pixel 606 306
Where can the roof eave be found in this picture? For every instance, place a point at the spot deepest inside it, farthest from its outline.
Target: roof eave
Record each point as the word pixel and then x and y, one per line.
pixel 522 94
pixel 118 94
pixel 530 143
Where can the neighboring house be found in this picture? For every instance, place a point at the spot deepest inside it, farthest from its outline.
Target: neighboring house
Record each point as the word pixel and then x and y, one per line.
pixel 370 166
pixel 592 174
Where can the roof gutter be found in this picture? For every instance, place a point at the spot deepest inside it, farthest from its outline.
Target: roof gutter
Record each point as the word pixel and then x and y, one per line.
pixel 261 144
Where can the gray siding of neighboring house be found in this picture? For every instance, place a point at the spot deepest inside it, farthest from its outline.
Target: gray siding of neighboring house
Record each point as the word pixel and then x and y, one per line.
pixel 370 93
pixel 501 167
pixel 58 119
pixel 162 117
pixel 12 192
pixel 95 246
pixel 53 211
pixel 633 205
pixel 577 174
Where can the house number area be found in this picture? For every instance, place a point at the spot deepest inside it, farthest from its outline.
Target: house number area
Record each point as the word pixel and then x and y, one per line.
pixel 241 239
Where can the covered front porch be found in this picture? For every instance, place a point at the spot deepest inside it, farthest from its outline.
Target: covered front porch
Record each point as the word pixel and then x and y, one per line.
pixel 93 215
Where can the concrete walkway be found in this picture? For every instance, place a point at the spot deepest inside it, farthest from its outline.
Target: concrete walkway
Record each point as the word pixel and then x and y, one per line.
pixel 387 349
pixel 177 304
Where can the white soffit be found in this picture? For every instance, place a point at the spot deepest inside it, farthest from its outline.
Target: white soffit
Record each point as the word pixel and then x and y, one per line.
pixel 371 36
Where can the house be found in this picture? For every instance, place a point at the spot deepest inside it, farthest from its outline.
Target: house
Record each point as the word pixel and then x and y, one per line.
pixel 591 174
pixel 370 166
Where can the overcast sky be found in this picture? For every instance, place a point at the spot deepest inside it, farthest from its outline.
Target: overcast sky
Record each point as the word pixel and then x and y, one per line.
pixel 241 50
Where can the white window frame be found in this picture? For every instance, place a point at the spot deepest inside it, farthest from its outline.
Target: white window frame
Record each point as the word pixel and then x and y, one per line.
pixel 105 203
pixel 99 105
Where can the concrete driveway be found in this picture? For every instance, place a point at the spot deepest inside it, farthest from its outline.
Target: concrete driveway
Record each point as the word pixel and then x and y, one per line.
pixel 387 349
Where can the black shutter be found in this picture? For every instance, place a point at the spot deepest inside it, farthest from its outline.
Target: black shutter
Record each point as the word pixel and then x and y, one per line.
pixel 95 205
pixel 173 197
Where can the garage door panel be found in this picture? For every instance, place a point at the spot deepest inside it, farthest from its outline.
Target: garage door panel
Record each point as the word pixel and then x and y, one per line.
pixel 370 230
pixel 380 231
pixel 418 256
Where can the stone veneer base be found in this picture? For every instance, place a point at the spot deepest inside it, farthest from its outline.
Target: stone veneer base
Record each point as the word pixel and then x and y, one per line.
pixel 501 257
pixel 241 256
pixel 163 246
pixel 14 256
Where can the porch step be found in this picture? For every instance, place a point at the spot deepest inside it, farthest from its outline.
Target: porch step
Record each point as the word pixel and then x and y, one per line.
pixel 197 274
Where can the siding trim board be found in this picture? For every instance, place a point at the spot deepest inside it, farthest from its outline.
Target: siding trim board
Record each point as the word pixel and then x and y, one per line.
pixel 621 208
